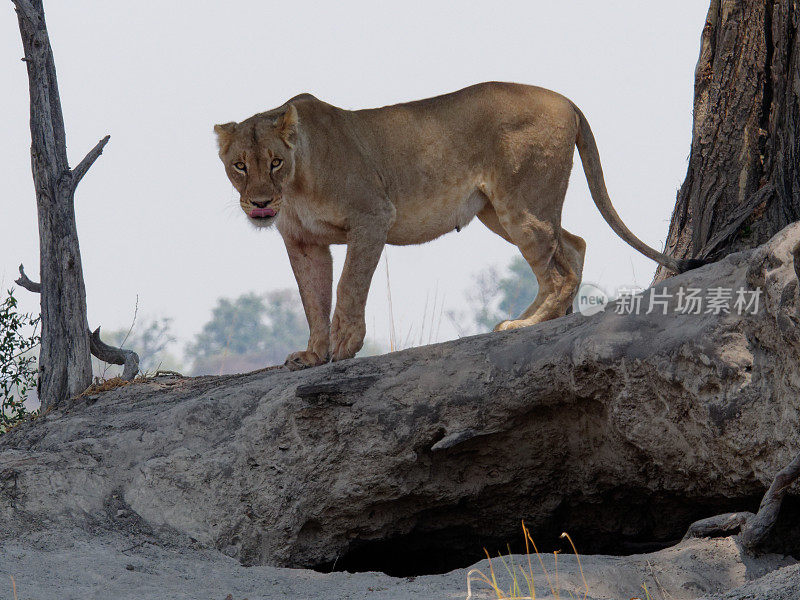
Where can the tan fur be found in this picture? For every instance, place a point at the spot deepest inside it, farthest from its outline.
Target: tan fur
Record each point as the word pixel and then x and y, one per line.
pixel 407 174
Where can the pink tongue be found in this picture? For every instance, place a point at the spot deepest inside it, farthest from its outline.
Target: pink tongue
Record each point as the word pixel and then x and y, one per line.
pixel 262 212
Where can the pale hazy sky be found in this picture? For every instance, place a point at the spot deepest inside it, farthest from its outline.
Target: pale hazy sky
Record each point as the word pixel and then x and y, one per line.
pixel 157 216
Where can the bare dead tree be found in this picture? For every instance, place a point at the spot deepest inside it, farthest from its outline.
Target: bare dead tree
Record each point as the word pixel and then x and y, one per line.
pixel 65 368
pixel 742 184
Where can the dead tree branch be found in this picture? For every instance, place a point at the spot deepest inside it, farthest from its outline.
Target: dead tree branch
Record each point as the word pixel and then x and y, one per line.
pixel 753 528
pixel 83 166
pixel 115 356
pixel 725 524
pixel 29 285
pixel 756 529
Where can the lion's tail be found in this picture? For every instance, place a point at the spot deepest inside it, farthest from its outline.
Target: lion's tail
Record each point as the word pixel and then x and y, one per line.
pixel 590 157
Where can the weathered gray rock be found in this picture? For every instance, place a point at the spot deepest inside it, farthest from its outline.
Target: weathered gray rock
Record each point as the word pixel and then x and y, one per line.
pixel 620 429
pixel 781 584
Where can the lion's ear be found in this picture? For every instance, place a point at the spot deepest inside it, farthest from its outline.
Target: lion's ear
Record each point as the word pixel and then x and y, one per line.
pixel 286 125
pixel 224 132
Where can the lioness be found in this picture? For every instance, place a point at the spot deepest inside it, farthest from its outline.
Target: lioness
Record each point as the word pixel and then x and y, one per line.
pixel 409 173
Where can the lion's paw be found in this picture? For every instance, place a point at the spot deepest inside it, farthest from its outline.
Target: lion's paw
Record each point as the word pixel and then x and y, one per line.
pixel 304 359
pixel 347 336
pixel 508 325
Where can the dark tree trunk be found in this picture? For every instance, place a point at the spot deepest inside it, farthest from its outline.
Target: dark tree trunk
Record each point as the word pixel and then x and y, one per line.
pixel 64 362
pixel 742 185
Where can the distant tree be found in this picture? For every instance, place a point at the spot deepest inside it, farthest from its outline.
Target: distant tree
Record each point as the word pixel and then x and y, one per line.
pixel 495 298
pixel 249 332
pixel 482 301
pixel 19 336
pixel 517 290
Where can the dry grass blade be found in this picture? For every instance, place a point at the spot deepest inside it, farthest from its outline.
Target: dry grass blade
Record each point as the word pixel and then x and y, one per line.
pixel 392 334
pixel 541 562
pixel 480 576
pixel 580 566
pixel 515 592
pixel 555 563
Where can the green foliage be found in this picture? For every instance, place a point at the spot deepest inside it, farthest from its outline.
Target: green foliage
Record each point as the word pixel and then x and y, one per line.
pixel 249 332
pixel 18 337
pixel 149 341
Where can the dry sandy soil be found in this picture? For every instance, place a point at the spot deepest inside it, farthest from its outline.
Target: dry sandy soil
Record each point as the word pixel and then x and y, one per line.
pixel 57 566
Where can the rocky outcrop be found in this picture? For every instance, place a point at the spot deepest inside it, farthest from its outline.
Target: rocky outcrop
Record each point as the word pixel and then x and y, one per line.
pixel 619 428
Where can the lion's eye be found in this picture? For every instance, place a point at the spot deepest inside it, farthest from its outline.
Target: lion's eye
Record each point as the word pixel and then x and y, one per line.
pixel 276 162
pixel 240 166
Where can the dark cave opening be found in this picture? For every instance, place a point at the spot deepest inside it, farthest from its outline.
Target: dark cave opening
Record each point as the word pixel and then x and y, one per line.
pixel 657 523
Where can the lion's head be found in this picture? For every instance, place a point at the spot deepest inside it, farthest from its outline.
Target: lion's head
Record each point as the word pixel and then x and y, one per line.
pixel 259 158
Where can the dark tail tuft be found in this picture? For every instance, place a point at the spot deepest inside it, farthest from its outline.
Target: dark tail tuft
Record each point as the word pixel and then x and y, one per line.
pixel 691 263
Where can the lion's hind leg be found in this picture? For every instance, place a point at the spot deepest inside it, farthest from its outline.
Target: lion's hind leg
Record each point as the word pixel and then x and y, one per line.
pixel 554 255
pixel 575 247
pixel 558 280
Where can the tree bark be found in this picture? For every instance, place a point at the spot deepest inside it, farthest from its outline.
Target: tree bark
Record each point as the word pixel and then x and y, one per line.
pixel 742 184
pixel 64 362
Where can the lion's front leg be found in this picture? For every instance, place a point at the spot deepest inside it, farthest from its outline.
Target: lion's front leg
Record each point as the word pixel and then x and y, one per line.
pixel 313 270
pixel 348 327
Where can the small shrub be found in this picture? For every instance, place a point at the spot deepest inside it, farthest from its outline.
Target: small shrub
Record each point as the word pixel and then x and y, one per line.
pixel 19 335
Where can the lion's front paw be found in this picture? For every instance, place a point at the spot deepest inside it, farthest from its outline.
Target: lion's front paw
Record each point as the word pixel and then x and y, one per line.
pixel 503 326
pixel 512 324
pixel 347 336
pixel 304 359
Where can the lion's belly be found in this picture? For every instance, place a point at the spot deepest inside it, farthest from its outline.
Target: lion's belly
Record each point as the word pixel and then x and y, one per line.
pixel 420 220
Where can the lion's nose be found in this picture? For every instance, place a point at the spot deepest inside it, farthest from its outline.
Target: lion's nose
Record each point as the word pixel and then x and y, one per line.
pixel 260 203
